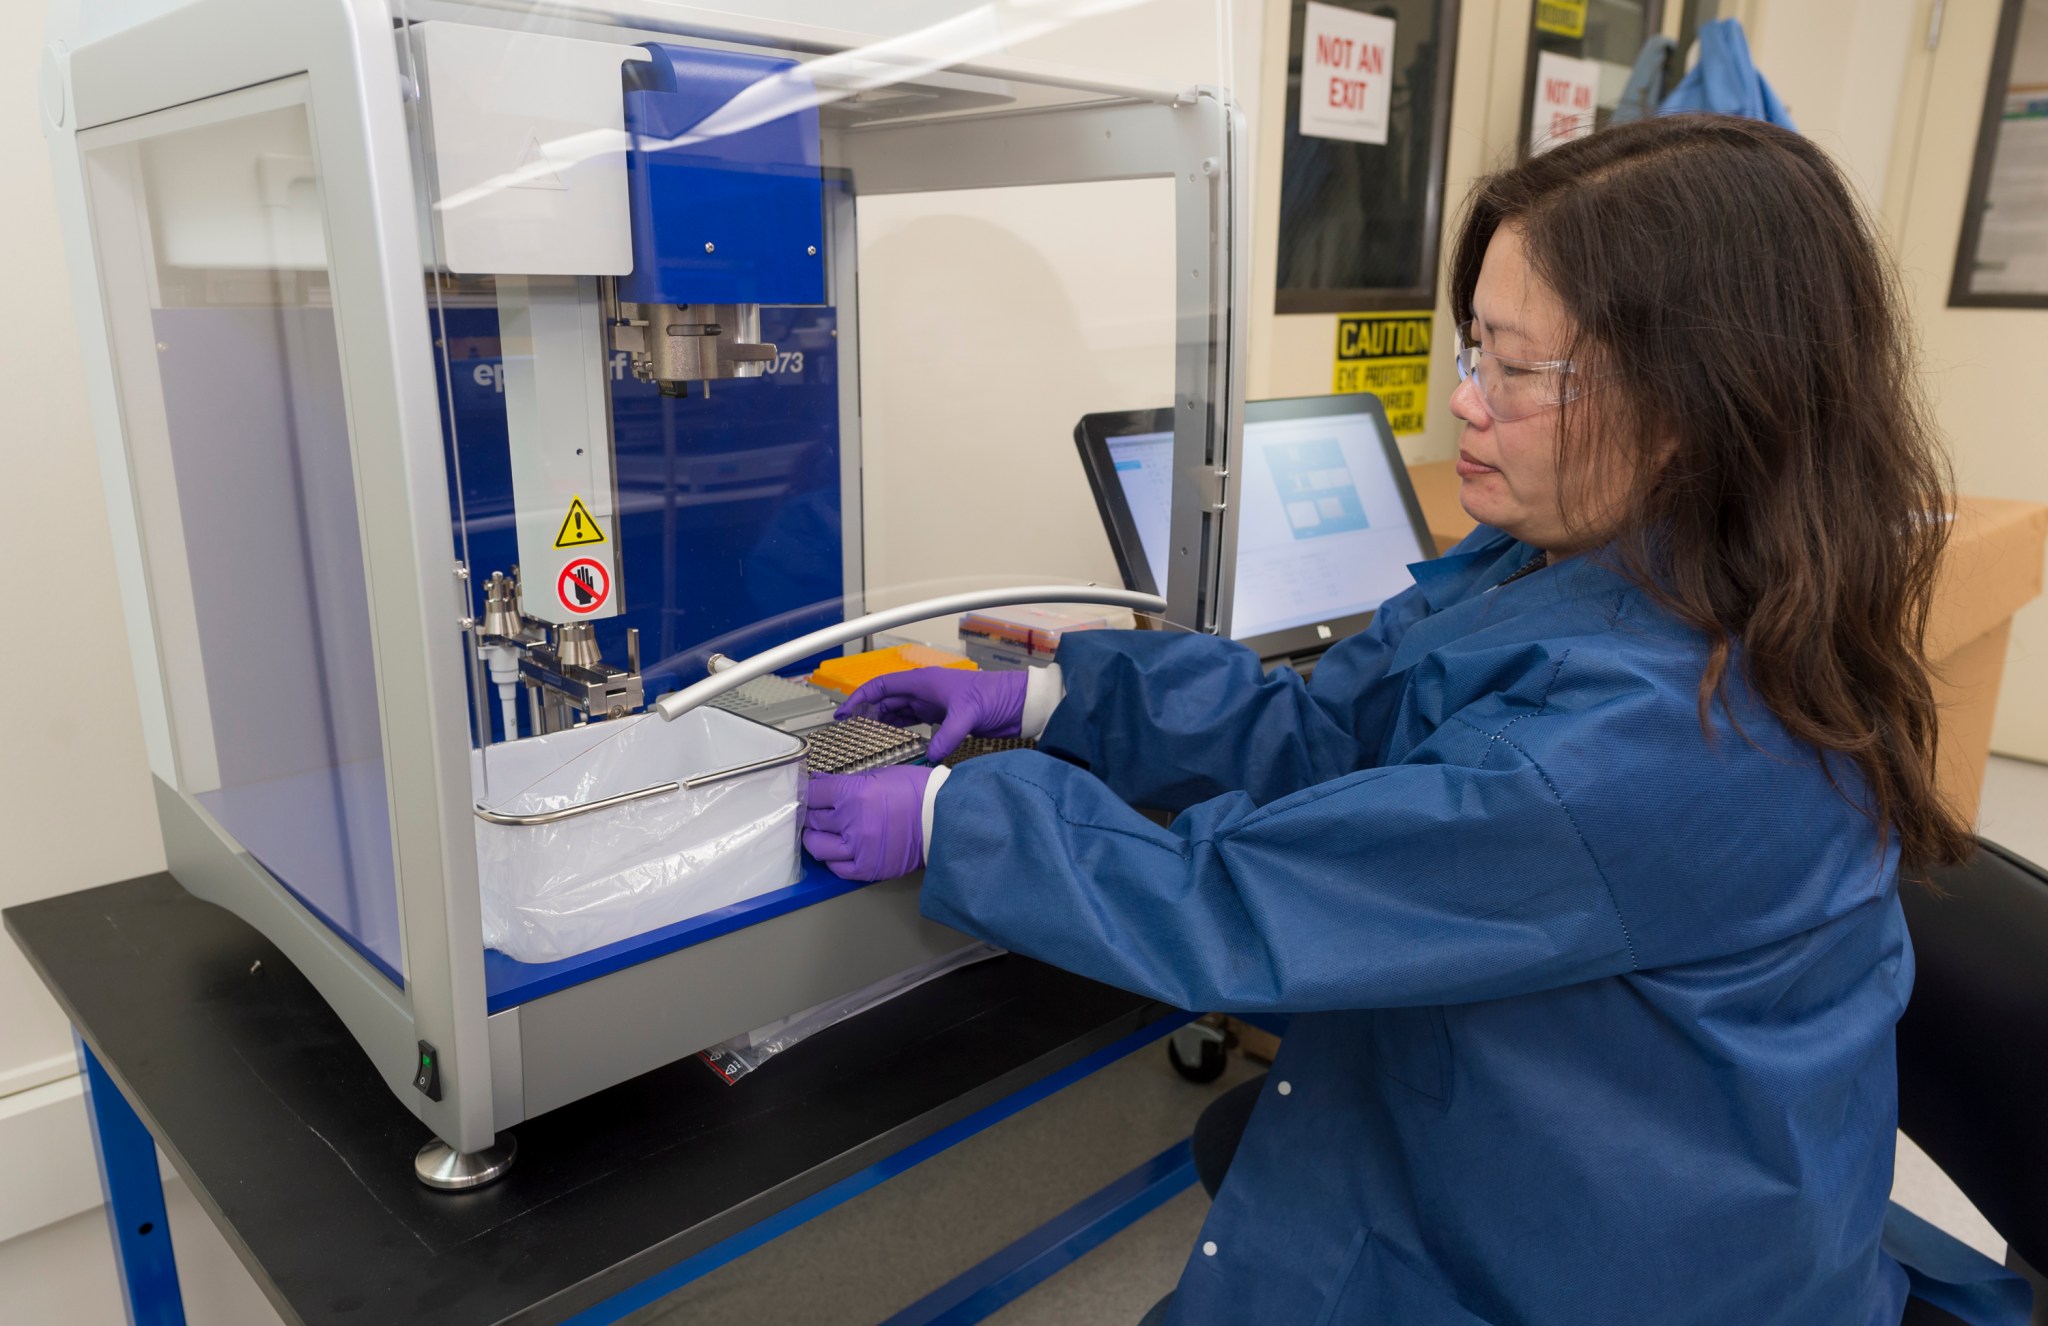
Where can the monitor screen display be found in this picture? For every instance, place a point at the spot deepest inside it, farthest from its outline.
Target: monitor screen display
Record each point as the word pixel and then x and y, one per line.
pixel 1323 528
pixel 1144 470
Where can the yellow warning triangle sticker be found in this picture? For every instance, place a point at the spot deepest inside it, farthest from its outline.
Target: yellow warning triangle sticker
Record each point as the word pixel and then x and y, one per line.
pixel 578 527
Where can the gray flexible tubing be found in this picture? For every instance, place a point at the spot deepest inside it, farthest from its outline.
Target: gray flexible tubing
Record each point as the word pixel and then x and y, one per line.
pixel 730 674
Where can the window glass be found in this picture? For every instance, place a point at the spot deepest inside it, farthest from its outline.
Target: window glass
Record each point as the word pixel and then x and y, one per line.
pixel 1361 198
pixel 1594 42
pixel 213 255
pixel 2003 257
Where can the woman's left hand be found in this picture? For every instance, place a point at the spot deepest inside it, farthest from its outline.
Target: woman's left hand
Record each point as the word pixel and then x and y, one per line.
pixel 867 826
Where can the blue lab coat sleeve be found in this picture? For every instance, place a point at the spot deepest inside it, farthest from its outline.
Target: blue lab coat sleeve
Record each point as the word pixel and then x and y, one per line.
pixel 1543 812
pixel 1457 875
pixel 1169 719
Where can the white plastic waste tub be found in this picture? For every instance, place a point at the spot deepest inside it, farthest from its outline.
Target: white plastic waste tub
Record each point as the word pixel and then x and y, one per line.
pixel 599 833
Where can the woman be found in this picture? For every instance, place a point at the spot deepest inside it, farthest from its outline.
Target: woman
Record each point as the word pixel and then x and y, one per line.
pixel 1578 869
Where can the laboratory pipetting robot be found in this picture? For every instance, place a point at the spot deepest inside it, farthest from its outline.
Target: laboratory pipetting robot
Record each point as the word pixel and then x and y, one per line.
pixel 479 391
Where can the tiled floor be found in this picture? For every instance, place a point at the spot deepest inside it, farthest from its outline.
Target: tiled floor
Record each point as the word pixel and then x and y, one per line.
pixel 883 1250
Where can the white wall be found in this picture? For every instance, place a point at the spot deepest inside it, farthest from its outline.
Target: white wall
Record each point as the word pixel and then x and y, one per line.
pixel 993 319
pixel 75 803
pixel 1848 101
pixel 1969 353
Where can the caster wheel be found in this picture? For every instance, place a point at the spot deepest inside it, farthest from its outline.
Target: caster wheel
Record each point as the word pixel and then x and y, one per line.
pixel 1208 1065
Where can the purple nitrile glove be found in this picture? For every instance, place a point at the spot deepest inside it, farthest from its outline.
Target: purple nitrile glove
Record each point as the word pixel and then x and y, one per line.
pixel 963 704
pixel 867 825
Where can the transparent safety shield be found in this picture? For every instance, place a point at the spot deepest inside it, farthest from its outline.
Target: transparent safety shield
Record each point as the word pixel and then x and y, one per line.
pixel 755 322
pixel 212 244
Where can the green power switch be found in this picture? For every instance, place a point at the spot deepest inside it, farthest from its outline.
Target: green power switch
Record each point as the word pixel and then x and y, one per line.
pixel 428 1078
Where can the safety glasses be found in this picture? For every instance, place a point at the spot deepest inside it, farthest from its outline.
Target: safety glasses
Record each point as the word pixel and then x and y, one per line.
pixel 1515 388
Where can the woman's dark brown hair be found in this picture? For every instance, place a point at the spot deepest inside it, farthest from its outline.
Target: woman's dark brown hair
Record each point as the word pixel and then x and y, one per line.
pixel 1746 353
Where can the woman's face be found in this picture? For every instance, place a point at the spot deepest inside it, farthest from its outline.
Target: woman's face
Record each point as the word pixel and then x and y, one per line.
pixel 1508 470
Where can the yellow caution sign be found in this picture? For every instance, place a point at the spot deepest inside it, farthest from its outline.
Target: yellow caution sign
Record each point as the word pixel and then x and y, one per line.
pixel 578 527
pixel 1387 354
pixel 1564 18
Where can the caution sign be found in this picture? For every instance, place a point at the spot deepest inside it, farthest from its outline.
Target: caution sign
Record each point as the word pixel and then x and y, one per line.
pixel 1563 18
pixel 583 586
pixel 578 527
pixel 1387 354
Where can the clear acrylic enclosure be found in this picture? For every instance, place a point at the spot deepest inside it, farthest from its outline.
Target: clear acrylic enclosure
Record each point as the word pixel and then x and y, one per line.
pixel 757 319
pixel 208 222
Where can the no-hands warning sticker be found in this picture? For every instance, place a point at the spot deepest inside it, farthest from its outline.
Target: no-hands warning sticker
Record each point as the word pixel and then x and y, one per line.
pixel 583 586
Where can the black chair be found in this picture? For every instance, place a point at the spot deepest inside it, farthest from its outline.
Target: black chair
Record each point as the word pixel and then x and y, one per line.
pixel 1973 1047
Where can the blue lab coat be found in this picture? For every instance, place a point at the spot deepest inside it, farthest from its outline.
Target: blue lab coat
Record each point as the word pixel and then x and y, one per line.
pixel 1593 1013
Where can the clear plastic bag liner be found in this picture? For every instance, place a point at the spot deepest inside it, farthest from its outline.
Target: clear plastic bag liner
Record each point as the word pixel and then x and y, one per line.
pixel 734 1059
pixel 554 890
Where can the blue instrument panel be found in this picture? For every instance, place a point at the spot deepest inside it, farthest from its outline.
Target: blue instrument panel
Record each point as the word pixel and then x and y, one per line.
pixel 722 175
pixel 730 536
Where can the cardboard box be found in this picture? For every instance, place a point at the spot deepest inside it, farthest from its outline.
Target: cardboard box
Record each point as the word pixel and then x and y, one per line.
pixel 1253 1042
pixel 1992 569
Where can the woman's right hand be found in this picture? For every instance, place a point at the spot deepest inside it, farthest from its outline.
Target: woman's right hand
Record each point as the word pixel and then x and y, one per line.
pixel 962 704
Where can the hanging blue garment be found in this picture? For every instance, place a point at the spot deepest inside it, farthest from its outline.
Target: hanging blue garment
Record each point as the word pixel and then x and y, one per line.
pixel 1592 1013
pixel 1724 80
pixel 1645 81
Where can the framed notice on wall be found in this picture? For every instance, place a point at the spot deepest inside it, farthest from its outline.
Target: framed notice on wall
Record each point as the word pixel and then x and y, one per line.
pixel 1362 166
pixel 2002 258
